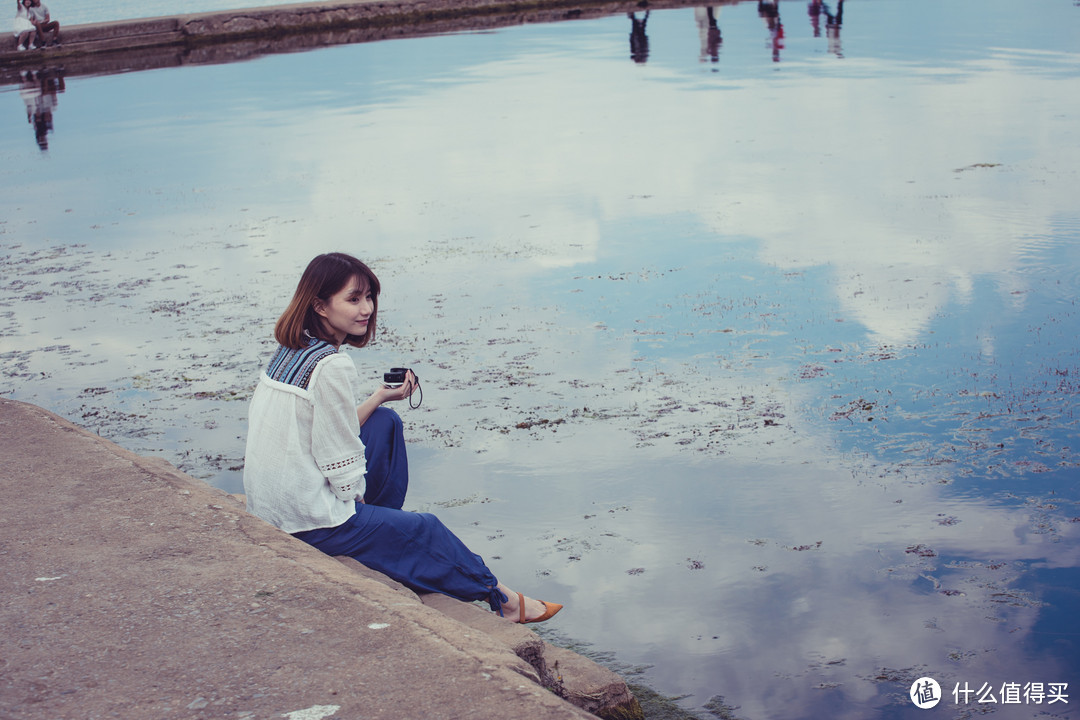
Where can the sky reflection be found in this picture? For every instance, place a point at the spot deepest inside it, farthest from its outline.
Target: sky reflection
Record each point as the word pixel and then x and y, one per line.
pixel 774 357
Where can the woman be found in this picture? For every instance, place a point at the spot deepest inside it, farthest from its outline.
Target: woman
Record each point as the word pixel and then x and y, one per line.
pixel 24 30
pixel 334 473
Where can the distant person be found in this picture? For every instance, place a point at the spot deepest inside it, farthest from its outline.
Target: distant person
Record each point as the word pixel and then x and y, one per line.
pixel 639 41
pixel 333 472
pixel 45 25
pixel 24 29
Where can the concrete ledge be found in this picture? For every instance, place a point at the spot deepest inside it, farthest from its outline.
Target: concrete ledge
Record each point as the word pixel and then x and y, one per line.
pixel 578 680
pixel 275 21
pixel 131 590
pixel 203 37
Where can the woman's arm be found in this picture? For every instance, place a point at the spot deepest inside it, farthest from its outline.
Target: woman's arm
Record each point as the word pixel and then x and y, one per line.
pixel 335 433
pixel 385 394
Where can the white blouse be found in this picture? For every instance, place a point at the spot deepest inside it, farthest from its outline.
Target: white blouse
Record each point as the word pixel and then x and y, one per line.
pixel 304 464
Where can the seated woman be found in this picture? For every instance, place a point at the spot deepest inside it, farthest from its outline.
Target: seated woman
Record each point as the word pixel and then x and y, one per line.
pixel 334 473
pixel 24 30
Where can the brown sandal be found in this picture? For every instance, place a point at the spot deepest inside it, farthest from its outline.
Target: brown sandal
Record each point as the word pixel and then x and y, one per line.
pixel 549 610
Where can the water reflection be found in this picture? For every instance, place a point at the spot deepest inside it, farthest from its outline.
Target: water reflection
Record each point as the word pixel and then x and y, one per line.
pixel 769 10
pixel 833 21
pixel 711 38
pixel 784 586
pixel 639 40
pixel 708 32
pixel 38 90
pixel 804 389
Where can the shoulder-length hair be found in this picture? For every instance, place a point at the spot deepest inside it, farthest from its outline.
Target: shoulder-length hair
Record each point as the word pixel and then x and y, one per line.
pixel 324 276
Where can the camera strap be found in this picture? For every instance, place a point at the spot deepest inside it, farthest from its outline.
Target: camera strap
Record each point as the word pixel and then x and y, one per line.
pixel 418 390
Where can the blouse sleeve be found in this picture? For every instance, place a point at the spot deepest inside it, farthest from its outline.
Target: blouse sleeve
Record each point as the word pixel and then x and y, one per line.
pixel 335 431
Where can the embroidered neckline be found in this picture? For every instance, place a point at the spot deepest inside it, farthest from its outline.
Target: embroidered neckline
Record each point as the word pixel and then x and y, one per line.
pixel 294 367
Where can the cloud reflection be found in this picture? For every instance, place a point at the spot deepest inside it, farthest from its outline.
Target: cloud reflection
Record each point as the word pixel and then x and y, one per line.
pixel 904 193
pixel 789 585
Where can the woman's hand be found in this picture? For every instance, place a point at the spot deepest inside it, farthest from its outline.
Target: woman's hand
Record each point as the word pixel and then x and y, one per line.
pixel 386 394
pixel 402 391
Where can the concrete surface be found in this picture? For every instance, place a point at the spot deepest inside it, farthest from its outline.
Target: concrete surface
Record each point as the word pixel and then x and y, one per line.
pixel 131 590
pixel 227 36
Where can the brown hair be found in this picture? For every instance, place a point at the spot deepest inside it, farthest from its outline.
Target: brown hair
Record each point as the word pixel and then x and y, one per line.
pixel 324 276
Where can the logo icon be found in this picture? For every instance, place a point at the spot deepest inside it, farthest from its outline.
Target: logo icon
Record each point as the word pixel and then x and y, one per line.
pixel 925 693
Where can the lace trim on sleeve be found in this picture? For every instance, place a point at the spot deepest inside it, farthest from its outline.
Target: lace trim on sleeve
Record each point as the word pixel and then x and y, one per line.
pixel 344 490
pixel 340 464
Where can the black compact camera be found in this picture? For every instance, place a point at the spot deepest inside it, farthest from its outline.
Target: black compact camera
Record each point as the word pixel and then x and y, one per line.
pixel 396 377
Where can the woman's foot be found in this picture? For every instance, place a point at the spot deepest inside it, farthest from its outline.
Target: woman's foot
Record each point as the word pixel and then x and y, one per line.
pixel 549 611
pixel 522 609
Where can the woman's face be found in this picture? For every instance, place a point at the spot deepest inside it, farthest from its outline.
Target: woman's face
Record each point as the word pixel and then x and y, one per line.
pixel 347 311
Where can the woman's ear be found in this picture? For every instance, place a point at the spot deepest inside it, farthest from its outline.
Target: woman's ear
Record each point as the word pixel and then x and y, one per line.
pixel 319 306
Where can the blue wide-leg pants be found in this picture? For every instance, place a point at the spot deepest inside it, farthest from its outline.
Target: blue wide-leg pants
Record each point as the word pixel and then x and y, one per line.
pixel 415 549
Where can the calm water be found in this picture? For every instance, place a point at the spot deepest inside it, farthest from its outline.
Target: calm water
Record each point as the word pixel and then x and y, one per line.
pixel 757 345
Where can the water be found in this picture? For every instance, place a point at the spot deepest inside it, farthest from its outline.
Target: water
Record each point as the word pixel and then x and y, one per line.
pixel 765 366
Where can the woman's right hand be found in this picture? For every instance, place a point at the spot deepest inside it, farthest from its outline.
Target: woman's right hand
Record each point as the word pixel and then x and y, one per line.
pixel 407 388
pixel 386 394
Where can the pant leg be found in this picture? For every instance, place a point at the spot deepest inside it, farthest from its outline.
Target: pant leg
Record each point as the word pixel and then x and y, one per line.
pixel 383 436
pixel 415 549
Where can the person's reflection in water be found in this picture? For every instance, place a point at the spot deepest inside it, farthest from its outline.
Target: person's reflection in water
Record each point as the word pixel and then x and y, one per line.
pixel 814 11
pixel 769 10
pixel 832 27
pixel 38 91
pixel 639 41
pixel 709 32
